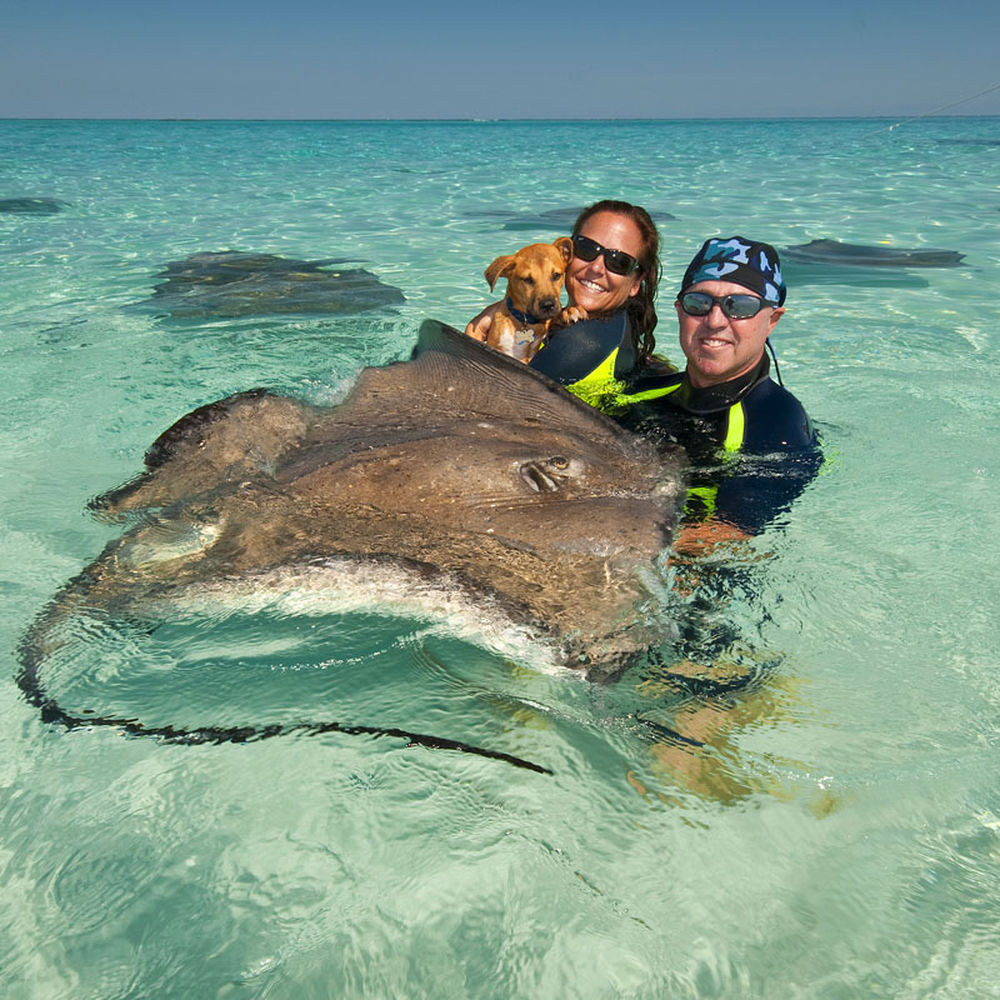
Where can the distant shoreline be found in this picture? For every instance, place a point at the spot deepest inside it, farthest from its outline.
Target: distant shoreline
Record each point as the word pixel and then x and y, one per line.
pixel 505 121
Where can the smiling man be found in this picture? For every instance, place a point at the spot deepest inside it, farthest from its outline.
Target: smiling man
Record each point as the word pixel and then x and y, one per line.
pixel 752 446
pixel 752 450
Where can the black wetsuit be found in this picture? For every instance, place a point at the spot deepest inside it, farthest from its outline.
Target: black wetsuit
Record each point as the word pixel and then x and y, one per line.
pixel 752 447
pixel 752 451
pixel 592 358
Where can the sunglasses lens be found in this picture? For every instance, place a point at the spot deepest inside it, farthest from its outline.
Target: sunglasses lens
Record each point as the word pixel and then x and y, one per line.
pixel 586 249
pixel 697 303
pixel 618 262
pixel 741 306
pixel 732 306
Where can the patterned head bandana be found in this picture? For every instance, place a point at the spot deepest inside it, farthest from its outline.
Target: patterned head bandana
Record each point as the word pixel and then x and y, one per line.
pixel 753 265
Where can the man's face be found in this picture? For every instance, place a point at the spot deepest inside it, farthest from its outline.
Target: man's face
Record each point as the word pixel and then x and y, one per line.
pixel 718 348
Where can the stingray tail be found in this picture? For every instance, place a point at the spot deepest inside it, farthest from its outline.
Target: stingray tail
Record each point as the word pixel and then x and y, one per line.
pixel 42 639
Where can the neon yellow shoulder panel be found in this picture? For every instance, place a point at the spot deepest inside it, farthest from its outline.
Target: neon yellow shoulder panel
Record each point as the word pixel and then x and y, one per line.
pixel 639 397
pixel 600 388
pixel 736 428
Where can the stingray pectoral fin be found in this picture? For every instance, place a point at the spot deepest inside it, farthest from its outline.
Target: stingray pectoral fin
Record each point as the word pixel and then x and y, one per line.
pixel 491 384
pixel 256 421
pixel 122 499
pixel 212 449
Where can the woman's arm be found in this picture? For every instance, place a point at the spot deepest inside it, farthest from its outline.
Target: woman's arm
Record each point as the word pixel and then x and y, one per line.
pixel 479 327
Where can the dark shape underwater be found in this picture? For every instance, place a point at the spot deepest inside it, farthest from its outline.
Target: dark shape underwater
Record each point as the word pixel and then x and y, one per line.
pixel 559 220
pixel 230 284
pixel 858 255
pixel 31 206
pixel 461 474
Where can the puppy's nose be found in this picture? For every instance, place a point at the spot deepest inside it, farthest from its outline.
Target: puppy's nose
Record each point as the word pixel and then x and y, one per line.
pixel 548 307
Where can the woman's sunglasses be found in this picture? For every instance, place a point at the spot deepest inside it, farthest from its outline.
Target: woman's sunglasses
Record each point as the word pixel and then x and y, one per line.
pixel 733 306
pixel 616 261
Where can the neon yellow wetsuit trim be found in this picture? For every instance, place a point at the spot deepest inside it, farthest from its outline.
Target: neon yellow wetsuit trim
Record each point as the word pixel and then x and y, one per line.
pixel 600 388
pixel 641 397
pixel 589 359
pixel 735 425
pixel 701 500
pixel 735 428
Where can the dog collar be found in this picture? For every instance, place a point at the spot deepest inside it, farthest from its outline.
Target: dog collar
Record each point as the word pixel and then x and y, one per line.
pixel 521 317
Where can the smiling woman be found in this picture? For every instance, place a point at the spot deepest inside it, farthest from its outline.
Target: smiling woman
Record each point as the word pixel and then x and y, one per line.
pixel 605 271
pixel 613 277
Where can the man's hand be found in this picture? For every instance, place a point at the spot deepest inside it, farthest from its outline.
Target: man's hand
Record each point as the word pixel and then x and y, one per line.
pixel 698 539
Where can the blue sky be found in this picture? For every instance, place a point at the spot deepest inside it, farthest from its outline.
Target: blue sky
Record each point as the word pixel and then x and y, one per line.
pixel 451 59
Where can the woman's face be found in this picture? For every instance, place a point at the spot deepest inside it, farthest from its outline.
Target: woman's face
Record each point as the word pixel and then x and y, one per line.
pixel 590 284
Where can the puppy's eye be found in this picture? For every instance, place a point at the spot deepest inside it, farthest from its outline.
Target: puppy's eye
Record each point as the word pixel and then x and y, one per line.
pixel 528 280
pixel 556 275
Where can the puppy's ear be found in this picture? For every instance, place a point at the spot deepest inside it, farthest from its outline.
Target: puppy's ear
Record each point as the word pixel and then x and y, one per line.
pixel 565 246
pixel 500 268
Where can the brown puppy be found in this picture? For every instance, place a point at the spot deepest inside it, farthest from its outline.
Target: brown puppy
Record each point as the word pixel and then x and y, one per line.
pixel 534 286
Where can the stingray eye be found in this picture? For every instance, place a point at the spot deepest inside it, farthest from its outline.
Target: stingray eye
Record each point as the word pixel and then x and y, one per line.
pixel 559 462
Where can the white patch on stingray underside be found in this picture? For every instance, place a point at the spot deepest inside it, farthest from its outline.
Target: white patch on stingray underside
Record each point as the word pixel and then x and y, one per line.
pixel 392 590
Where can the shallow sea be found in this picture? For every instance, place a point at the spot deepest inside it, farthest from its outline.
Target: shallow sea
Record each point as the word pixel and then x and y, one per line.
pixel 846 842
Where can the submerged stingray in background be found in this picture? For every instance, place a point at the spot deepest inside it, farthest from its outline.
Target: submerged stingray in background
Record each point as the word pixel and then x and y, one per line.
pixel 969 142
pixel 554 219
pixel 460 472
pixel 31 206
pixel 228 283
pixel 857 255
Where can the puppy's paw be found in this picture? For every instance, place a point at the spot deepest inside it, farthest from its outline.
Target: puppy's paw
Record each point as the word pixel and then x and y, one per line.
pixel 570 315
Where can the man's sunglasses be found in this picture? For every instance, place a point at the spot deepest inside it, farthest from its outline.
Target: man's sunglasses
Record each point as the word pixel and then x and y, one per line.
pixel 616 261
pixel 733 306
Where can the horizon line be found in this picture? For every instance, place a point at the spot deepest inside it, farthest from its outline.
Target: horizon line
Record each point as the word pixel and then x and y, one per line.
pixel 482 121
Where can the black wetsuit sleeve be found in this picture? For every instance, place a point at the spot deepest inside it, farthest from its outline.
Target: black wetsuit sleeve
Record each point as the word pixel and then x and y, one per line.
pixel 780 456
pixel 775 421
pixel 573 352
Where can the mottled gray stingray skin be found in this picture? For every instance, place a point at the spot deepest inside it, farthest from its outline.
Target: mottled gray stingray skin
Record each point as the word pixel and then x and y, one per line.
pixel 460 465
pixel 859 255
pixel 229 284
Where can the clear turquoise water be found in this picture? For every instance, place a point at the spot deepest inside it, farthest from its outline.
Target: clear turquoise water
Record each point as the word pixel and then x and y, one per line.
pixel 852 845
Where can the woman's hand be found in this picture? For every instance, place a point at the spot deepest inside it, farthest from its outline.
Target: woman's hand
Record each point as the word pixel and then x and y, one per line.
pixel 479 327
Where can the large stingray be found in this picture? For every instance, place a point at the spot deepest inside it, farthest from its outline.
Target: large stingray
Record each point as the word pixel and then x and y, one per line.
pixel 227 283
pixel 461 471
